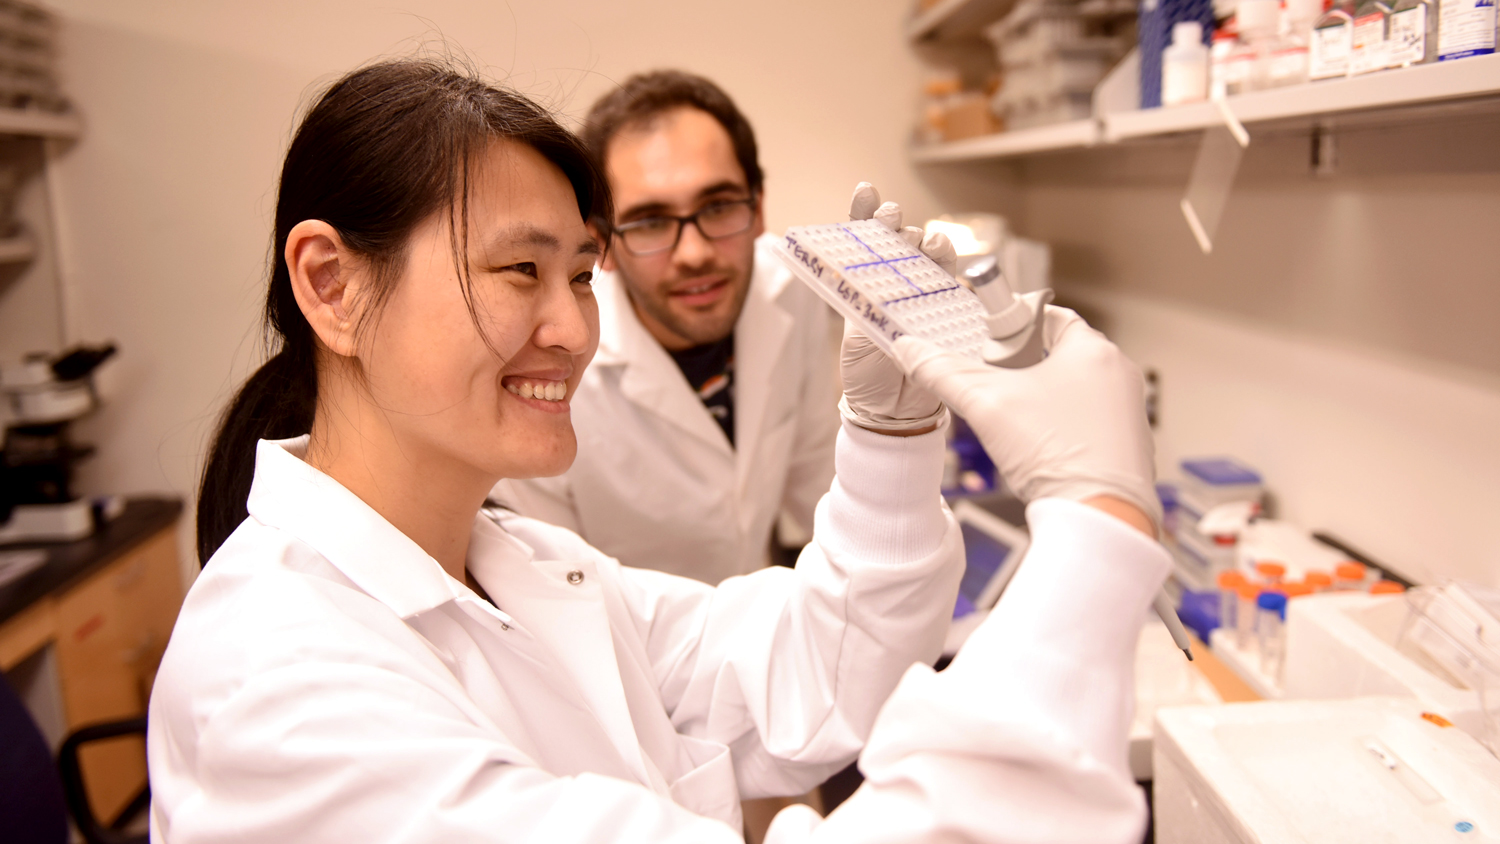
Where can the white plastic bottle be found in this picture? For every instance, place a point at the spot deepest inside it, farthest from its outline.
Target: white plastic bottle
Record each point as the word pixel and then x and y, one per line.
pixel 1221 72
pixel 1413 33
pixel 1371 21
pixel 1332 41
pixel 1258 22
pixel 1291 61
pixel 1184 65
pixel 1465 28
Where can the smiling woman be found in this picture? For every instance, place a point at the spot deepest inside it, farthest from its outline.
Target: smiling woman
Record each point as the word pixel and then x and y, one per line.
pixel 405 171
pixel 372 654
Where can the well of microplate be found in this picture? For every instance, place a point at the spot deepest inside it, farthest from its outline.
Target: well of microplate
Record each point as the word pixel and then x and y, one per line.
pixel 888 288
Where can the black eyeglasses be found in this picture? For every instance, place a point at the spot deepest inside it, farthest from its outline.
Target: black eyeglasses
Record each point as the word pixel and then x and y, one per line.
pixel 714 221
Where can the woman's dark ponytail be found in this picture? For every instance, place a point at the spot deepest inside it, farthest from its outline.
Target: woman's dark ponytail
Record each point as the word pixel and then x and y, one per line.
pixel 384 148
pixel 276 403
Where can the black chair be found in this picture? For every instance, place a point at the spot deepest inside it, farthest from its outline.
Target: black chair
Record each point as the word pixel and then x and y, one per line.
pixel 37 794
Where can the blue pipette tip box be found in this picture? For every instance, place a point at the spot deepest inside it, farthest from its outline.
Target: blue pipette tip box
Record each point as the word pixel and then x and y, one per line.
pixel 1220 471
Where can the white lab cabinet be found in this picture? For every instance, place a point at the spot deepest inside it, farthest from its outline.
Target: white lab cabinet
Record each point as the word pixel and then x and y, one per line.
pixel 1362 771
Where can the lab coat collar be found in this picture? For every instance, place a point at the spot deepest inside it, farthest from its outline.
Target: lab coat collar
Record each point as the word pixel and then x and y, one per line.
pixel 290 495
pixel 649 377
pixel 652 380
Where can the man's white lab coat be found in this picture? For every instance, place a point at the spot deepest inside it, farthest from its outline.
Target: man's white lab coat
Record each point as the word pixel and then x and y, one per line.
pixel 656 483
pixel 328 682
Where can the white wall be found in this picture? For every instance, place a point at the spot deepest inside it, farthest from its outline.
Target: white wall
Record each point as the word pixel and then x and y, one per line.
pixel 1395 454
pixel 1342 338
pixel 166 201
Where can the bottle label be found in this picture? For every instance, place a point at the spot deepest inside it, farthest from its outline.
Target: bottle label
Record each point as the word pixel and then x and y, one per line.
pixel 1407 42
pixel 1329 55
pixel 1368 52
pixel 1466 28
pixel 1183 82
pixel 1289 66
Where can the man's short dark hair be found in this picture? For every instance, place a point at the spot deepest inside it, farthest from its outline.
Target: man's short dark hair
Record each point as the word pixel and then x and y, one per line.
pixel 646 96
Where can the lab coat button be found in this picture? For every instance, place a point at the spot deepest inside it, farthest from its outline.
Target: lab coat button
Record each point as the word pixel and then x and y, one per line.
pixel 575 577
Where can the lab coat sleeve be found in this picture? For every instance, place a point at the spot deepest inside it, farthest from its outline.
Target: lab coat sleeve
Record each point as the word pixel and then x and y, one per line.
pixel 811 469
pixel 1024 737
pixel 349 747
pixel 789 667
pixel 545 499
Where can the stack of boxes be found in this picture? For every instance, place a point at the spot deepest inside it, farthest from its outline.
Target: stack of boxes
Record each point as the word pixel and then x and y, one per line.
pixel 28 50
pixel 1052 54
pixel 1207 484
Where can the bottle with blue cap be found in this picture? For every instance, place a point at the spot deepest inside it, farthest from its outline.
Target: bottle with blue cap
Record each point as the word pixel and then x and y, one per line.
pixel 1270 629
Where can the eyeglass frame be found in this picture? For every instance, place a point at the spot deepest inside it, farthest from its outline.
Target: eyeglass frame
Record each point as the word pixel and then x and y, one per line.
pixel 682 222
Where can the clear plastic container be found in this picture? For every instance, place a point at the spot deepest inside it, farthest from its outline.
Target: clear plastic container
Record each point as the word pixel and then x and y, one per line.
pixel 1245 615
pixel 1454 630
pixel 1229 599
pixel 1259 22
pixel 1350 576
pixel 1270 631
pixel 1270 572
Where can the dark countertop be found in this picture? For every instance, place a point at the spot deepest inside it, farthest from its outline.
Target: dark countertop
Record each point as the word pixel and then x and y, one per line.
pixel 69 562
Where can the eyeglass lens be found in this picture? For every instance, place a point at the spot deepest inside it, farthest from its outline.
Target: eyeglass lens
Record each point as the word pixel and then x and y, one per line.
pixel 657 234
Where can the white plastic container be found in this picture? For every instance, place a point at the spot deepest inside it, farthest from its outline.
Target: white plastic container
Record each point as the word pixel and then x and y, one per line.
pixel 1465 28
pixel 1369 50
pixel 1372 769
pixel 1332 42
pixel 1258 22
pixel 1412 33
pixel 1184 66
pixel 1344 644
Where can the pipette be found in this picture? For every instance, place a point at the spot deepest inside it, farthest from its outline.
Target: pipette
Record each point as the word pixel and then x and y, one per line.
pixel 887 287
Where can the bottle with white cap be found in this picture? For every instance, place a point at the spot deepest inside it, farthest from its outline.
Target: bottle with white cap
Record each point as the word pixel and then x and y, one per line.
pixel 1015 322
pixel 1184 65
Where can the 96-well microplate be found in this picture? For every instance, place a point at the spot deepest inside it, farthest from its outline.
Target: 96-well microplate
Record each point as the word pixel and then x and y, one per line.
pixel 871 275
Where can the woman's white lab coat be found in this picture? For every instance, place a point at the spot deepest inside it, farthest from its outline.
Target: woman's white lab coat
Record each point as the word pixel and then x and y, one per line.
pixel 328 682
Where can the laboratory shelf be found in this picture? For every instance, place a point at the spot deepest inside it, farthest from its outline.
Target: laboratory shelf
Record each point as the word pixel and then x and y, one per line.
pixel 16 250
pixel 952 19
pixel 1475 79
pixel 1075 134
pixel 44 124
pixel 1441 81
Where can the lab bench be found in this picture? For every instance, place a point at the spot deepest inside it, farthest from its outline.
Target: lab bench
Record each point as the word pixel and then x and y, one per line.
pixel 98 613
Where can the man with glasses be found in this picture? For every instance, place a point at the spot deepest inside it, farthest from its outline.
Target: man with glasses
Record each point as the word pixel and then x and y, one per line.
pixel 711 405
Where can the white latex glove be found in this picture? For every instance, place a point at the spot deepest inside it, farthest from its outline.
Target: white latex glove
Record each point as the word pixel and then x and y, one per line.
pixel 877 394
pixel 866 205
pixel 1073 426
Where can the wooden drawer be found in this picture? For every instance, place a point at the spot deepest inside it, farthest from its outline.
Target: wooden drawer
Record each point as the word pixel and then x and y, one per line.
pixel 111 630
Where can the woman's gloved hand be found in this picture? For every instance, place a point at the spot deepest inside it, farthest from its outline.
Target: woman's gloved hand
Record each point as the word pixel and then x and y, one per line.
pixel 877 394
pixel 1073 426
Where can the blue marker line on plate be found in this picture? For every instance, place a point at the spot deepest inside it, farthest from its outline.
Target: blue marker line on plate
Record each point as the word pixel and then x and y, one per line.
pixel 913 284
